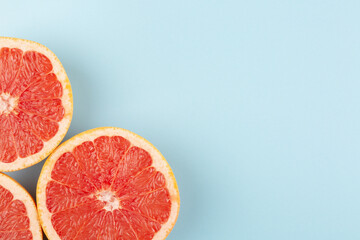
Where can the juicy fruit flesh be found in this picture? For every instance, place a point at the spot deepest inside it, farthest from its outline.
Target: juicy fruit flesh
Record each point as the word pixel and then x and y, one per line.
pixel 107 189
pixel 30 103
pixel 14 222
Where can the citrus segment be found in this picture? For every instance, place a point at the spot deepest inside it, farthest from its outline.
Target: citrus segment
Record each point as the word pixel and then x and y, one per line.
pixel 91 229
pixel 68 223
pixel 110 150
pixel 42 127
pixel 135 160
pixel 154 205
pixel 45 87
pixel 122 226
pixel 26 142
pixel 143 227
pixel 85 155
pixel 107 183
pixel 14 217
pixel 10 60
pixel 49 108
pixel 18 217
pixel 146 181
pixel 8 152
pixel 18 235
pixel 35 103
pixel 34 66
pixel 5 198
pixel 62 197
pixel 67 164
pixel 108 228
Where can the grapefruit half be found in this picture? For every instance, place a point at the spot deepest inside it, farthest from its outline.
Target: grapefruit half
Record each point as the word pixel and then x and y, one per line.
pixel 35 103
pixel 18 216
pixel 107 183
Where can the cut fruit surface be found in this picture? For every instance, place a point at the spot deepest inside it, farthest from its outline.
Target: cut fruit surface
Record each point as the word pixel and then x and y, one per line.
pixel 18 216
pixel 107 183
pixel 35 103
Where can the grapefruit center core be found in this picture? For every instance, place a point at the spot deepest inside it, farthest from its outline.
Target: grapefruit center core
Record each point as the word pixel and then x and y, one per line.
pixel 7 103
pixel 110 199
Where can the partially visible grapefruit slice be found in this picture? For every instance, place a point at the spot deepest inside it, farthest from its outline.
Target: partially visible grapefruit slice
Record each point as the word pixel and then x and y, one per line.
pixel 107 183
pixel 35 103
pixel 18 216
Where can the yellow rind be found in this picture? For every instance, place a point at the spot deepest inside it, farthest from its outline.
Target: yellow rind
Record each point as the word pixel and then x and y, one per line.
pixel 38 157
pixel 68 146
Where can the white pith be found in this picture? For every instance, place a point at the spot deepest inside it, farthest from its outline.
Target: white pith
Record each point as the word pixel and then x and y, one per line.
pixel 109 198
pixel 159 163
pixel 7 103
pixel 58 70
pixel 21 194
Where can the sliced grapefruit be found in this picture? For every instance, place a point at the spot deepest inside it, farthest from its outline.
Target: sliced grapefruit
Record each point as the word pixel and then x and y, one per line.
pixel 18 216
pixel 107 183
pixel 35 103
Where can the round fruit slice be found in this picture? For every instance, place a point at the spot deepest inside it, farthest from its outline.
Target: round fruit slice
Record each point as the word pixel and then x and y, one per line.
pixel 107 183
pixel 35 103
pixel 18 216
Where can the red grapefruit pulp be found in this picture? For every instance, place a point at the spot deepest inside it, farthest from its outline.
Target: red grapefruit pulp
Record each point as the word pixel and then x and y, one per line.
pixel 35 103
pixel 18 217
pixel 107 183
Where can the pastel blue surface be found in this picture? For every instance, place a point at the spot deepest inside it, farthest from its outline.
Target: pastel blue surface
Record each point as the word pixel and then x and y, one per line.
pixel 255 104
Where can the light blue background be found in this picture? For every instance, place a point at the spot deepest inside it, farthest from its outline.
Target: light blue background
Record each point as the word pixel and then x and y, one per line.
pixel 255 104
